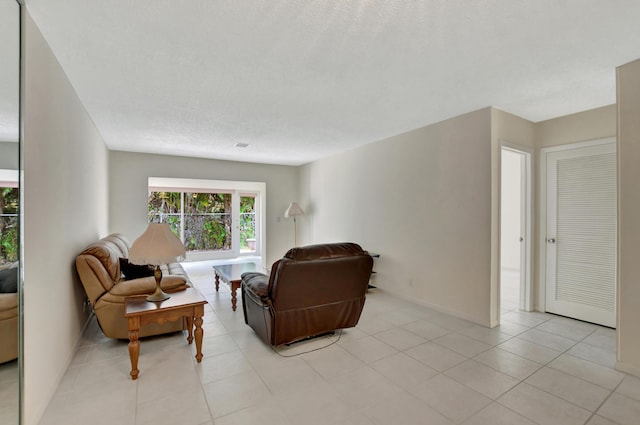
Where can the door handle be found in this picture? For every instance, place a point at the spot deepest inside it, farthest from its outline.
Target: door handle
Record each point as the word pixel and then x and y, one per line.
pixel 551 240
pixel 521 239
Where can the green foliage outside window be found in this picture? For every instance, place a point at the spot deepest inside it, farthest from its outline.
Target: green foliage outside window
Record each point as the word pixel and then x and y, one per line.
pixel 207 218
pixel 8 225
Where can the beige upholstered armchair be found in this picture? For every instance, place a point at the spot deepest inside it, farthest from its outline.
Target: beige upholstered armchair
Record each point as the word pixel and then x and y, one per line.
pixel 99 268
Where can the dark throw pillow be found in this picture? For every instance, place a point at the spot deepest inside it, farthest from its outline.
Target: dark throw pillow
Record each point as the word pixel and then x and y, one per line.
pixel 9 281
pixel 134 271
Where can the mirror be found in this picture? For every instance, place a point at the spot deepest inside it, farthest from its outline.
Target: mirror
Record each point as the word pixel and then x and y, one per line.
pixel 9 211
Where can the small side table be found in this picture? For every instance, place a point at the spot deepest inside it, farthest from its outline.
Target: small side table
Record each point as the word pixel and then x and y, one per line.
pixel 188 304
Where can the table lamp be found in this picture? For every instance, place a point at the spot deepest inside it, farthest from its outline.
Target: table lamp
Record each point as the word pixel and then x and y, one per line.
pixel 157 245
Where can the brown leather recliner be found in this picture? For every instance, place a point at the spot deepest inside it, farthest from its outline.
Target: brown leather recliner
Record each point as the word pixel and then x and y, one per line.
pixel 311 291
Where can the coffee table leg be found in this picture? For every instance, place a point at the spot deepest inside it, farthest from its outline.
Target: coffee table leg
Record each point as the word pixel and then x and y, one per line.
pixel 134 346
pixel 199 312
pixel 189 329
pixel 235 284
pixel 217 281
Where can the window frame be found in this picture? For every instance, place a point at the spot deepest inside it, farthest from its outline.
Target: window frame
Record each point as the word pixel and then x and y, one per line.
pixel 236 189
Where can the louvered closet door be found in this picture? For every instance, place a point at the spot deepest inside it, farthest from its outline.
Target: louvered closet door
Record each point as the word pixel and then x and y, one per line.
pixel 581 233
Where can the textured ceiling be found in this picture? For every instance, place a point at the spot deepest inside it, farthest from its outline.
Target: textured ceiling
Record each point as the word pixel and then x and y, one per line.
pixel 300 80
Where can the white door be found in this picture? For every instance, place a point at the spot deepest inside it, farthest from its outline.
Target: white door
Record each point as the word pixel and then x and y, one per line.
pixel 581 233
pixel 514 230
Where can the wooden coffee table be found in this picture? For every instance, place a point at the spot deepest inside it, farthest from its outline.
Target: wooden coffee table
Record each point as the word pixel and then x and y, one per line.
pixel 232 274
pixel 188 304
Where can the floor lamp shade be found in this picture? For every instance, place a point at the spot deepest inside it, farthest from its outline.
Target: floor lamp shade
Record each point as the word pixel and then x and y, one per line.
pixel 294 210
pixel 157 245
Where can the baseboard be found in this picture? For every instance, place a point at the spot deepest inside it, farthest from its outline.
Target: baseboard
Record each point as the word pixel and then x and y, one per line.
pixel 627 368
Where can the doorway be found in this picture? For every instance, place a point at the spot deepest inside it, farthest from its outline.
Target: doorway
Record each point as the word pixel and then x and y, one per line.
pixel 581 232
pixel 515 229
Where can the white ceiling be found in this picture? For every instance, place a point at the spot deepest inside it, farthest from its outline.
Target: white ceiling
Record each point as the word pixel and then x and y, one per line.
pixel 300 80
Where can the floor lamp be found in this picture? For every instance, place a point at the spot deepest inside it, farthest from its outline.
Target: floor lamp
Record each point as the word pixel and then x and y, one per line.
pixel 294 210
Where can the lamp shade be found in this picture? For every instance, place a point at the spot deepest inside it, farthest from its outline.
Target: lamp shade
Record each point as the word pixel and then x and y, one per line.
pixel 293 210
pixel 157 245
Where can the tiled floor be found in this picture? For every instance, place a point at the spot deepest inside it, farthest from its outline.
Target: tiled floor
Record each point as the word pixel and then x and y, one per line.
pixel 403 364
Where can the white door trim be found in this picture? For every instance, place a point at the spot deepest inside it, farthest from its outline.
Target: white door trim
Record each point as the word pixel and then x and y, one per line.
pixel 542 211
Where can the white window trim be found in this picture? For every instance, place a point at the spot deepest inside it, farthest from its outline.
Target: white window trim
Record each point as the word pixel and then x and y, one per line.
pixel 241 188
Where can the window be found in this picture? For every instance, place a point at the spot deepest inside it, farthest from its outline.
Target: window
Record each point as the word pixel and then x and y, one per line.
pixel 214 219
pixel 9 200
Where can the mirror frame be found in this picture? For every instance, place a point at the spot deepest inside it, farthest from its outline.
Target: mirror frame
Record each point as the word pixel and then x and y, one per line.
pixel 20 216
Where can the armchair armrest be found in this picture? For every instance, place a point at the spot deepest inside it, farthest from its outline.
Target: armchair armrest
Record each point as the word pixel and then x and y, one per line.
pixel 146 285
pixel 257 284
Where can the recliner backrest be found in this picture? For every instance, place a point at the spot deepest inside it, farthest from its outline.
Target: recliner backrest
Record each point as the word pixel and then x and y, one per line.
pixel 319 274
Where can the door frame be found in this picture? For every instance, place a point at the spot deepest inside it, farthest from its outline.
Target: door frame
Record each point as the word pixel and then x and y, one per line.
pixel 526 298
pixel 542 211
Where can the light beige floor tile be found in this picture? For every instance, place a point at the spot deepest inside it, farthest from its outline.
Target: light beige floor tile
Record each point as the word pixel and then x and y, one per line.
pixel 496 414
pixel 589 371
pixel 547 339
pixel 526 318
pixel 568 329
pixel 404 370
pixel 444 395
pixel 183 407
pixel 289 376
pixel 621 409
pixel 405 409
pixel 599 420
pixel 594 354
pixel 584 394
pixel 509 363
pixel 426 329
pixel 399 338
pixel 482 378
pixel 454 324
pixel 235 393
pixel 543 408
pixel 364 387
pixel 529 350
pixel 435 356
pixel 315 405
pixel 369 349
pixel 486 335
pixel 603 338
pixel 222 366
pixel 266 413
pixel 630 387
pixel 333 361
pixel 373 325
pixel 511 328
pixel 461 344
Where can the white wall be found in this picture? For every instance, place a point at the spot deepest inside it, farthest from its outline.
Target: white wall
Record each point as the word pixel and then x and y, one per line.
pixel 422 200
pixel 65 208
pixel 128 191
pixel 629 217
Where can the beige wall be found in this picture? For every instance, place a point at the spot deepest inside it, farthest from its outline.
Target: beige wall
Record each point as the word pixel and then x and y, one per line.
pixel 593 124
pixel 8 156
pixel 629 217
pixel 423 201
pixel 128 189
pixel 65 207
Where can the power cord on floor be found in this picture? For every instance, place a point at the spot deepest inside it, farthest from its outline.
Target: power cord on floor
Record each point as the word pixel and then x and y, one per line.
pixel 339 331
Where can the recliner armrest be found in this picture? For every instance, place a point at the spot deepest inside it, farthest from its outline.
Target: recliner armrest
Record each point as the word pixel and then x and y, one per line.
pixel 257 283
